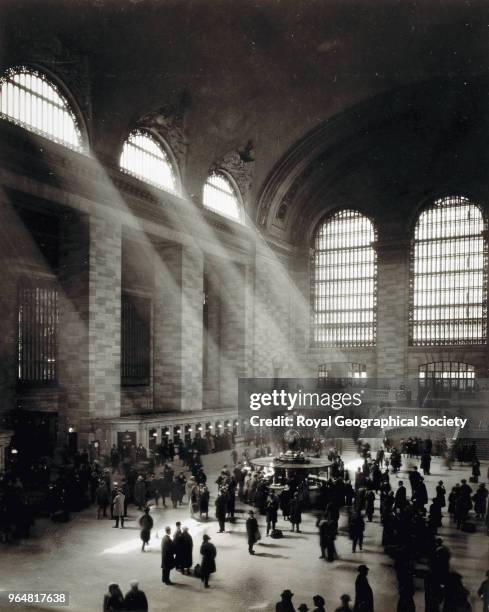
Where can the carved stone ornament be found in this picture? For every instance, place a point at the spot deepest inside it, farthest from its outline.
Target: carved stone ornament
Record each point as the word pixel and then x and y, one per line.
pixel 240 166
pixel 169 122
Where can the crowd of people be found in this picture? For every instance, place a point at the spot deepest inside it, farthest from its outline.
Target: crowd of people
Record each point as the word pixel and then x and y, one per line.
pixel 410 520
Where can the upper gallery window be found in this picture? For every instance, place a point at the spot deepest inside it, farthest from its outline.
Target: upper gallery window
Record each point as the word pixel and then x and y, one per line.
pixel 143 156
pixel 30 100
pixel 444 376
pixel 222 197
pixel 343 281
pixel 449 259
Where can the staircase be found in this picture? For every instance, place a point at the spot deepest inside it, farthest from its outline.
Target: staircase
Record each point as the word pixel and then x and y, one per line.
pixel 348 446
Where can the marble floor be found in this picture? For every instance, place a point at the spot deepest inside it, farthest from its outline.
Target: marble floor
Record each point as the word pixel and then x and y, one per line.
pixel 83 556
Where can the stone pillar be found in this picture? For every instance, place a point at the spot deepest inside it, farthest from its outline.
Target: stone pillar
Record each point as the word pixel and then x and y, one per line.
pixel 179 274
pixel 90 305
pixel 392 307
pixel 104 335
pixel 12 241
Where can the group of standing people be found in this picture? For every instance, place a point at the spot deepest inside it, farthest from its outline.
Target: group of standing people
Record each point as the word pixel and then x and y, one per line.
pixel 177 553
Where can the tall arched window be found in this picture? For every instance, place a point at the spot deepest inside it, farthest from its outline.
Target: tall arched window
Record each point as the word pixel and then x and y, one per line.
pixel 343 281
pixel 449 285
pixel 30 100
pixel 144 157
pixel 222 197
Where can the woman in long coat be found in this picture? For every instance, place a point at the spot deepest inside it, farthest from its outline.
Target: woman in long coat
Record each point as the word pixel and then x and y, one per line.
pixel 208 563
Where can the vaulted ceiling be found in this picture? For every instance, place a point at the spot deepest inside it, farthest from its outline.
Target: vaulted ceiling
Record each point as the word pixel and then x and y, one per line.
pixel 266 70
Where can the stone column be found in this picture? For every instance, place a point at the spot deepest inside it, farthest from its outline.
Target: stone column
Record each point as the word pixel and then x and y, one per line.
pixel 90 320
pixel 179 287
pixel 392 307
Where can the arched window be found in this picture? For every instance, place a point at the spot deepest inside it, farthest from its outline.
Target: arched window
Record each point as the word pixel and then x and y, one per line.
pixel 30 100
pixel 343 281
pixel 439 378
pixel 222 197
pixel 144 157
pixel 449 260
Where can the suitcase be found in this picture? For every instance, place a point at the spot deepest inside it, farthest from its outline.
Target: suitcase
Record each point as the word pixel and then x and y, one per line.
pixel 276 534
pixel 197 571
pixel 469 527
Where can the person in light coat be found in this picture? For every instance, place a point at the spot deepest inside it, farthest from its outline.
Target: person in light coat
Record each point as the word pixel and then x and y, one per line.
pixel 118 508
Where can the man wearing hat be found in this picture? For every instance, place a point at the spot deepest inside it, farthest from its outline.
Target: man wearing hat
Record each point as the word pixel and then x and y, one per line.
pixel 208 563
pixel 252 531
pixel 167 556
pixel 285 605
pixel 118 508
pixel 135 600
pixel 364 597
pixel 345 604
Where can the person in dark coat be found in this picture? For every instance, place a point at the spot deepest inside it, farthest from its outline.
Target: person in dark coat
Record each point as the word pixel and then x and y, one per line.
pixel 295 512
pixel 456 595
pixel 135 600
pixel 177 546
pixel 480 501
pixel 102 497
pixel 221 508
pixel 421 496
pixel 114 600
pixel 140 493
pixel 187 546
pixel 175 492
pixel 167 556
pixel 369 505
pixel 364 597
pixel 252 531
pixel 319 603
pixel 406 601
pixel 441 494
pixel 426 463
pixel 272 512
pixel 400 496
pixel 146 524
pixel 285 498
pixel 476 470
pixel 356 530
pixel 285 604
pixel 434 518
pixel 204 503
pixel 345 604
pixel 208 563
pixel 483 593
pixel 414 479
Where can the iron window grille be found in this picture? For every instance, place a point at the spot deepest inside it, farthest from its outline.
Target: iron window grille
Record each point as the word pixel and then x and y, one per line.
pixel 344 281
pixel 448 280
pixel 29 99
